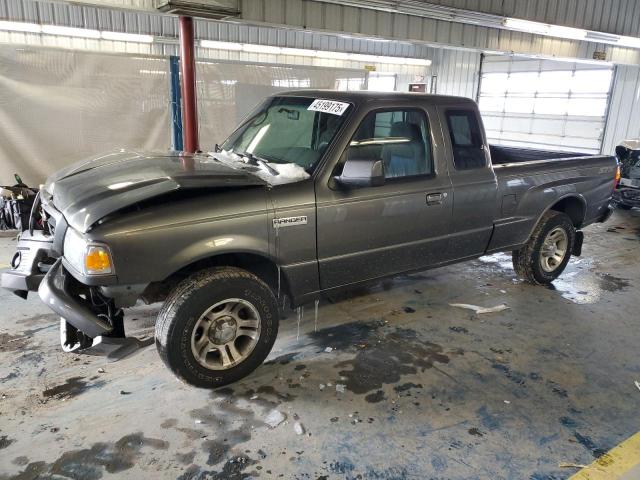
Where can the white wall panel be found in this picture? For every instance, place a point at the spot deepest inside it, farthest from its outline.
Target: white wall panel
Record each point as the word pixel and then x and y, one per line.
pixel 623 122
pixel 457 72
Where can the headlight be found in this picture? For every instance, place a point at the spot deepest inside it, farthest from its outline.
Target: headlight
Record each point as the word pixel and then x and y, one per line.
pixel 86 257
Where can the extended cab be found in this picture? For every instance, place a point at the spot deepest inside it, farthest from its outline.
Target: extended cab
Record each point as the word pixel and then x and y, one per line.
pixel 315 191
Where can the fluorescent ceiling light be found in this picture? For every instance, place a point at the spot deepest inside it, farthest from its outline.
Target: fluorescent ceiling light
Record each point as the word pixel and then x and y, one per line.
pixel 567 32
pixel 304 52
pixel 301 52
pixel 268 49
pixel 70 31
pixel 20 26
pixel 220 45
pixel 526 26
pixel 127 37
pixel 545 29
pixel 633 42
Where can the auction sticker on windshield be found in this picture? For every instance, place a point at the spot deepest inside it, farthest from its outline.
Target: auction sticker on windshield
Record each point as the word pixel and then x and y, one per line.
pixel 328 106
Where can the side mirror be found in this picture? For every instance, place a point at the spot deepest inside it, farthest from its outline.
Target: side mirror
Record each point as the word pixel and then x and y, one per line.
pixel 358 172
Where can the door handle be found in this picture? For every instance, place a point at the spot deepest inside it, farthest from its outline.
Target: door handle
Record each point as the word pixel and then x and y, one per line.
pixel 436 198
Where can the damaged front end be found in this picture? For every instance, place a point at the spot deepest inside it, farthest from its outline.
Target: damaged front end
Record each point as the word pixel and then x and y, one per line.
pixel 627 191
pixel 90 321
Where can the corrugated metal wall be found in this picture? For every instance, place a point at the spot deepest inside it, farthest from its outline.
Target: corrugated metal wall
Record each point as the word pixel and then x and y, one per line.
pixel 614 16
pixel 624 110
pixel 311 14
pixel 306 19
pixel 458 73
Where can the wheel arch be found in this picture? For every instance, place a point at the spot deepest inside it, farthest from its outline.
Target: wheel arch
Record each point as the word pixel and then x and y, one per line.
pixel 574 206
pixel 259 264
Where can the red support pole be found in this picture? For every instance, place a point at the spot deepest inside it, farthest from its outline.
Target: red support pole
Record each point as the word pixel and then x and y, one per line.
pixel 188 70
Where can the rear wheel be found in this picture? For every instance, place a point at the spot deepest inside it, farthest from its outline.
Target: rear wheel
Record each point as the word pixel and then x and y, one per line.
pixel 217 326
pixel 546 254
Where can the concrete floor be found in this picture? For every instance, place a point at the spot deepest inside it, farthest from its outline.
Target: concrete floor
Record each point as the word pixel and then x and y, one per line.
pixel 430 390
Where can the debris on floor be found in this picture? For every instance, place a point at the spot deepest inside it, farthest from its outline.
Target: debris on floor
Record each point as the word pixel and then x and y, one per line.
pixel 298 428
pixel 572 465
pixel 481 310
pixel 275 418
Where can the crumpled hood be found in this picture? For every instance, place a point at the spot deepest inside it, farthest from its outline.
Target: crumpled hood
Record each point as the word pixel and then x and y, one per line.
pixel 87 191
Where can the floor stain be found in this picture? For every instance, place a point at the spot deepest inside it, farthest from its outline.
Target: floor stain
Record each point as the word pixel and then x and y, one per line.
pixel 233 469
pixel 611 283
pixel 345 335
pixel 388 358
pixel 73 387
pixel 375 397
pixel 590 445
pixel 5 442
pixel 91 463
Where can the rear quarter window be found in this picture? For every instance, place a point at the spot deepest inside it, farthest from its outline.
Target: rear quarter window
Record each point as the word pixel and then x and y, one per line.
pixel 466 139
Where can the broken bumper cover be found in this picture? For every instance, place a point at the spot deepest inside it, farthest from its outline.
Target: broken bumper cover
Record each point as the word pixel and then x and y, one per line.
pixel 29 264
pixel 54 292
pixel 627 196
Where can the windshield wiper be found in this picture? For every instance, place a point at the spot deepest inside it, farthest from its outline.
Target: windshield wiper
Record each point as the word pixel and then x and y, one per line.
pixel 251 159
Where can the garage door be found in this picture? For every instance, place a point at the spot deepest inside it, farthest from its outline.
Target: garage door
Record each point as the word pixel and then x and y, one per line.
pixel 544 104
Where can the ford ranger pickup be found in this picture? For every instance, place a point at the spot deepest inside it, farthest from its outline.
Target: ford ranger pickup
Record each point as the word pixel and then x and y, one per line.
pixel 314 192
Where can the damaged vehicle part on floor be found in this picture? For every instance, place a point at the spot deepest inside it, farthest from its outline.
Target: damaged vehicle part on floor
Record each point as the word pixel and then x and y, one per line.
pixel 315 192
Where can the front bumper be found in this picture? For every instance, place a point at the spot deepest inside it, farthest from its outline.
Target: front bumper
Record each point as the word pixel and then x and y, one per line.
pixel 54 292
pixel 29 265
pixel 627 196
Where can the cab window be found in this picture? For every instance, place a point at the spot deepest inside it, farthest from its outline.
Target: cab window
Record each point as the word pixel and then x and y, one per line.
pixel 399 138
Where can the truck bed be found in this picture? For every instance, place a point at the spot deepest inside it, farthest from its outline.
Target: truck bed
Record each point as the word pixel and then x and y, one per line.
pixel 502 155
pixel 528 178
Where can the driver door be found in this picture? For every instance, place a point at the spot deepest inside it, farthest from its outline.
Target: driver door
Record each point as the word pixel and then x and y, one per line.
pixel 370 232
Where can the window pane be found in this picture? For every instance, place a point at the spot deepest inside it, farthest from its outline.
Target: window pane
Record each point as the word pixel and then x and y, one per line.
pixel 591 107
pixel 519 105
pixel 495 83
pixel 591 81
pixel 382 83
pixel 466 139
pixel 525 82
pixel 551 106
pixel 555 81
pixel 399 138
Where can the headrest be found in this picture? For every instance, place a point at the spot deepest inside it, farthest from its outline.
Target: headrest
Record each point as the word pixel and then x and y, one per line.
pixel 405 129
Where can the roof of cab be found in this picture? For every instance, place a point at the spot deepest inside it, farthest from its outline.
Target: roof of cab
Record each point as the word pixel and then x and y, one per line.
pixel 362 96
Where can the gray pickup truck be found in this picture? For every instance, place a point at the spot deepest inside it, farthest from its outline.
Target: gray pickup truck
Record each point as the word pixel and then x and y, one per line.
pixel 315 191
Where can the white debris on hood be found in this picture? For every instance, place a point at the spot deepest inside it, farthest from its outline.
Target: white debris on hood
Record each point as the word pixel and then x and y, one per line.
pixel 275 418
pixel 287 172
pixel 481 310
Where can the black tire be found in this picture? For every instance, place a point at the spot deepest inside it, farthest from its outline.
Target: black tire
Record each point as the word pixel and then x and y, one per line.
pixel 623 206
pixel 527 260
pixel 189 300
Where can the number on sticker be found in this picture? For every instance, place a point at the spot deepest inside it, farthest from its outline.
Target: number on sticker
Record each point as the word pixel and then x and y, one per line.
pixel 328 106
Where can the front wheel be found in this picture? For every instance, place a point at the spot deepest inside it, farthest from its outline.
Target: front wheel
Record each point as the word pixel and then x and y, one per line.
pixel 217 326
pixel 547 253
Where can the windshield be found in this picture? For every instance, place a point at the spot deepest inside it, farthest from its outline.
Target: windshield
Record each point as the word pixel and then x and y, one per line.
pixel 294 130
